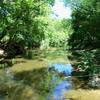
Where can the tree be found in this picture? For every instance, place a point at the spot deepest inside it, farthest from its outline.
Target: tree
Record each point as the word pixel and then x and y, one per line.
pixel 58 32
pixel 86 21
pixel 22 23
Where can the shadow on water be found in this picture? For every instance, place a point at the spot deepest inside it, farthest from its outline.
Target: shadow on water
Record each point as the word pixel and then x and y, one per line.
pixel 26 85
pixel 37 84
pixel 47 84
pixel 38 79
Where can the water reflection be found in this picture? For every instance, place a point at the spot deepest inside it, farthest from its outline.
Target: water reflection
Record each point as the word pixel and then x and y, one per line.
pixel 59 91
pixel 38 82
pixel 62 68
pixel 62 85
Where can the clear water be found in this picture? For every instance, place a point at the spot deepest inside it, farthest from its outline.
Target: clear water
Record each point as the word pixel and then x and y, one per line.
pixel 36 81
pixel 61 85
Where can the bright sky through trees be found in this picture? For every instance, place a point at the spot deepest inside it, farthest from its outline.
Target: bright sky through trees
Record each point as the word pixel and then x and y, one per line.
pixel 60 11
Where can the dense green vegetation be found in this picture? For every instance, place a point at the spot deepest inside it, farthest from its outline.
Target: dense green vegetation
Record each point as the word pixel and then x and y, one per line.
pixel 27 24
pixel 85 22
pixel 28 29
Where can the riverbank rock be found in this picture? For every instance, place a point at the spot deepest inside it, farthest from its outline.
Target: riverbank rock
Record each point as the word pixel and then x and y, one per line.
pixel 2 54
pixel 94 82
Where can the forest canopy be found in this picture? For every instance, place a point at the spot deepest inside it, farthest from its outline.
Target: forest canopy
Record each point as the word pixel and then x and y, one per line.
pixel 29 24
pixel 85 23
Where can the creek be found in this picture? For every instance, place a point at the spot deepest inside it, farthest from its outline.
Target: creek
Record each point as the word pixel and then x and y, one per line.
pixel 61 80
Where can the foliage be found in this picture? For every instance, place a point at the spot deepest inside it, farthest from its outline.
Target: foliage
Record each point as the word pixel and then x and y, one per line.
pixel 87 64
pixel 58 32
pixel 22 23
pixel 85 22
pixel 28 24
pixel 87 67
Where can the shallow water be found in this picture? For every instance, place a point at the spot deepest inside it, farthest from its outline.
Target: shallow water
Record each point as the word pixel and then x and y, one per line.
pixel 30 79
pixel 62 85
pixel 58 93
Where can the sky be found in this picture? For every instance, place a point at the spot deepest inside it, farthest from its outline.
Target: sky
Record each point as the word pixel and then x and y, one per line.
pixel 60 11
